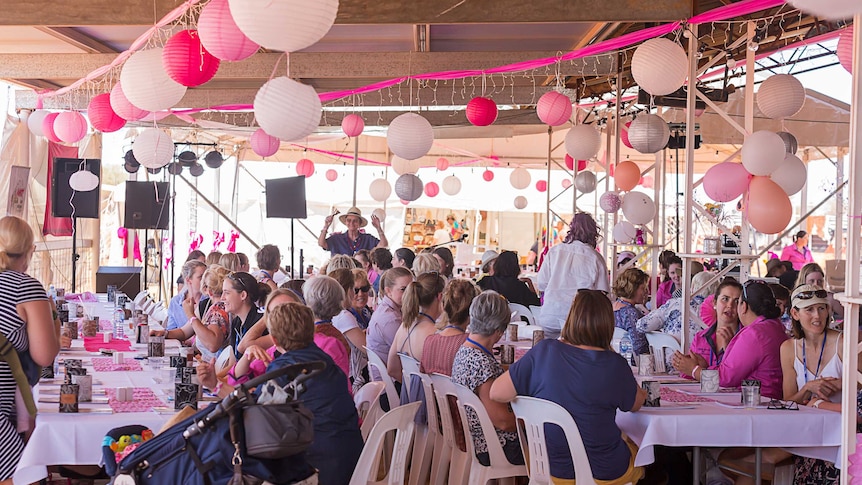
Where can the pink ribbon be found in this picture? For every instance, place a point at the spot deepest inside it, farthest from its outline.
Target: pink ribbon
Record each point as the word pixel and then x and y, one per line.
pixel 167 251
pixel 196 240
pixel 123 234
pixel 137 249
pixel 218 239
pixel 231 245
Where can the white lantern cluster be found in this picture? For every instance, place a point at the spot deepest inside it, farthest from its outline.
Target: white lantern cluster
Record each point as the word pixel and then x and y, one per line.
pixel 659 66
pixel 410 136
pixel 284 25
pixel 153 148
pixel 583 142
pixel 286 109
pixel 147 85
pixel 780 96
pixel 648 133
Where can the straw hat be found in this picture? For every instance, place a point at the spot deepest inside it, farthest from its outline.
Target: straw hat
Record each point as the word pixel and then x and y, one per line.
pixel 353 211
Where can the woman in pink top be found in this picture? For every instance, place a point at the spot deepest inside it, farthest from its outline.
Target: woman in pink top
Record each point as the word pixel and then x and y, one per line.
pixel 798 253
pixel 666 290
pixel 711 342
pixel 754 353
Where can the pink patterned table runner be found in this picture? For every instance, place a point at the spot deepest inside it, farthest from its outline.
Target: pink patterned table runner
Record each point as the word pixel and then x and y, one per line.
pixel 106 364
pixel 144 400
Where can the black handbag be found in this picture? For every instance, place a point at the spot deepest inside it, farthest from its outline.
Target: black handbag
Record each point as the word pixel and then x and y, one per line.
pixel 277 430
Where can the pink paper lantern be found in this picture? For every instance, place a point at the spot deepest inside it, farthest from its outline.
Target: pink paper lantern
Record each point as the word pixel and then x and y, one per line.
pixel 220 35
pixel 432 189
pixel 481 111
pixel 102 116
pixel 488 175
pixel 48 127
pixel 542 185
pixel 566 183
pixel 554 109
pixel 352 125
pixel 305 167
pixel 331 175
pixel 187 61
pixel 624 135
pixel 263 144
pixel 845 49
pixel 123 107
pixel 442 164
pixel 570 163
pixel 404 202
pixel 70 126
pixel 647 181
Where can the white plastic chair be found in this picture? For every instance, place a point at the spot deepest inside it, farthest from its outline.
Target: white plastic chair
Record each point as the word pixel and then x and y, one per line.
pixel 409 365
pixel 660 341
pixel 423 436
pixel 532 414
pixel 519 311
pixel 367 402
pixel 376 363
pixel 459 460
pixel 440 452
pixel 500 466
pixel 400 420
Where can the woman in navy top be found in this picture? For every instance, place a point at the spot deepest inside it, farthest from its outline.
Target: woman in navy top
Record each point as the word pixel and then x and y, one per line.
pixel 583 354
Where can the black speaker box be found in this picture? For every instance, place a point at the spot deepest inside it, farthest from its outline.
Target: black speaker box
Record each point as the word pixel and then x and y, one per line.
pixel 147 205
pixel 126 278
pixel 63 198
pixel 285 198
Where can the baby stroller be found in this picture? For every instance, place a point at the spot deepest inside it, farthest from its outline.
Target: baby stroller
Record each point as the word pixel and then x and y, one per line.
pixel 237 441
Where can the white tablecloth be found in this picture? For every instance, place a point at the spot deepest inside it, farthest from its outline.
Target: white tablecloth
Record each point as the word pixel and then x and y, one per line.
pixel 808 432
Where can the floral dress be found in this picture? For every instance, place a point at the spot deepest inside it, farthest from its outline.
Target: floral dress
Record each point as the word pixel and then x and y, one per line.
pixel 811 471
pixel 626 318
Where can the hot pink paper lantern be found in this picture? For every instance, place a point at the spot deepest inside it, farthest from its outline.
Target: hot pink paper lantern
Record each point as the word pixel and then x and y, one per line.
pixel 488 175
pixel 70 126
pixel 331 175
pixel 624 135
pixel 123 107
pixel 845 49
pixel 352 125
pixel 305 167
pixel 264 144
pixel 570 163
pixel 187 61
pixel 48 127
pixel 554 108
pixel 442 164
pixel 481 111
pixel 541 185
pixel 432 189
pixel 102 116
pixel 220 35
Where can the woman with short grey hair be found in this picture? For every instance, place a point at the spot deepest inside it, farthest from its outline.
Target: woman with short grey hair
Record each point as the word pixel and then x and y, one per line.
pixel 476 368
pixel 324 295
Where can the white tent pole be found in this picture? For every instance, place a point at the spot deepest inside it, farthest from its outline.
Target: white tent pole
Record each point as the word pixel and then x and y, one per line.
pixel 355 167
pixel 851 278
pixel 838 245
pixel 548 189
pixel 691 98
pixel 744 246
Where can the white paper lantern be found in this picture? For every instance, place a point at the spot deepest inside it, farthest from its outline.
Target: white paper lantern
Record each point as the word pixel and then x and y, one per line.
pixel 380 190
pixel 780 96
pixel 610 202
pixel 791 175
pixel 649 133
pixel 829 9
pixel 402 166
pixel 520 178
pixel 659 66
pixel 285 25
pixel 220 35
pixel 286 109
pixel 147 85
pixel 790 143
pixel 410 136
pixel 624 232
pixel 380 214
pixel 153 148
pixel 34 121
pixel 763 152
pixel 83 181
pixel 408 187
pixel 638 208
pixel 583 142
pixel 585 182
pixel 520 202
pixel 451 185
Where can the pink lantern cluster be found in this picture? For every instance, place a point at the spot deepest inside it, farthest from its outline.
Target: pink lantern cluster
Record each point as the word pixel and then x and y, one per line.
pixel 63 127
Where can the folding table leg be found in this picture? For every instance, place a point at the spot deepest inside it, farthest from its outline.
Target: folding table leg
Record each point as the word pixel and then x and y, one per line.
pixel 695 465
pixel 758 465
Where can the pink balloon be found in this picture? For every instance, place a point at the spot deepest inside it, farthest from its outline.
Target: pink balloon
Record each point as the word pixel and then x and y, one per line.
pixel 263 144
pixel 481 111
pixel 554 108
pixel 70 126
pixel 102 116
pixel 768 207
pixel 725 181
pixel 352 125
pixel 48 127
pixel 331 175
pixel 220 35
pixel 432 189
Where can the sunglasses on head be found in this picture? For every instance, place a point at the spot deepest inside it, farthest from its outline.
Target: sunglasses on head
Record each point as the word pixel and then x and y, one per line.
pixel 361 289
pixel 236 278
pixel 807 295
pixel 749 283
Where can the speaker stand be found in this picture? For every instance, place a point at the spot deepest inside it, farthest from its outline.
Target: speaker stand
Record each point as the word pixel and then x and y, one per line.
pixel 292 262
pixel 75 254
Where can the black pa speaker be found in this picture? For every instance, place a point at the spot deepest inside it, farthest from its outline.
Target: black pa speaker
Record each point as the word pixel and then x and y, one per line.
pixel 64 200
pixel 285 198
pixel 147 205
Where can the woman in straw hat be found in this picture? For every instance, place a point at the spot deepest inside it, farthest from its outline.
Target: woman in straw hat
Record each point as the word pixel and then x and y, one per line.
pixel 353 240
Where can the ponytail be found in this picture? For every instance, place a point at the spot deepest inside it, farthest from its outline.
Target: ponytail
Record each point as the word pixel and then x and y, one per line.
pixel 420 293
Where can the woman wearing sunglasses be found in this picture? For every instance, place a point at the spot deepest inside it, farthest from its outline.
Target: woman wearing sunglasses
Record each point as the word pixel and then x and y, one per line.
pixel 353 320
pixel 754 352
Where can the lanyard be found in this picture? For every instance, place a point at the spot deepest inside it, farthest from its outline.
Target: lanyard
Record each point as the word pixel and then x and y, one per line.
pixel 359 318
pixel 721 355
pixel 482 347
pixel 320 322
pixel 455 327
pixel 429 317
pixel 819 359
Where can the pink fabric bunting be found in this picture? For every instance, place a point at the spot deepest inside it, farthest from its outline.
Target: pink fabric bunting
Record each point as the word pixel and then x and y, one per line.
pixel 123 234
pixel 231 245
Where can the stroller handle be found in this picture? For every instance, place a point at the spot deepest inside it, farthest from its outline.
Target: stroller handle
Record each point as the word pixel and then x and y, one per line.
pixel 302 373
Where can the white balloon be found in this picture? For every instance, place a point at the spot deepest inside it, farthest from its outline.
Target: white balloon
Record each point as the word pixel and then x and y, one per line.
pixel 624 232
pixel 402 166
pixel 791 175
pixel 763 152
pixel 638 208
pixel 583 142
pixel 451 185
pixel 34 121
pixel 780 96
pixel 520 178
pixel 284 25
pixel 829 9
pixel 659 66
pixel 153 148
pixel 520 202
pixel 410 136
pixel 286 109
pixel 585 182
pixel 380 190
pixel 147 85
pixel 648 133
pixel 83 181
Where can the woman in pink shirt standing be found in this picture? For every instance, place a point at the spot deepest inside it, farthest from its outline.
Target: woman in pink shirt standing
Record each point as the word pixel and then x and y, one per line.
pixel 755 351
pixel 798 253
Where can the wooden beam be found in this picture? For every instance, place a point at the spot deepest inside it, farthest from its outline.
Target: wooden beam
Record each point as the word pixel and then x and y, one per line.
pixel 147 12
pixel 312 65
pixel 75 37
